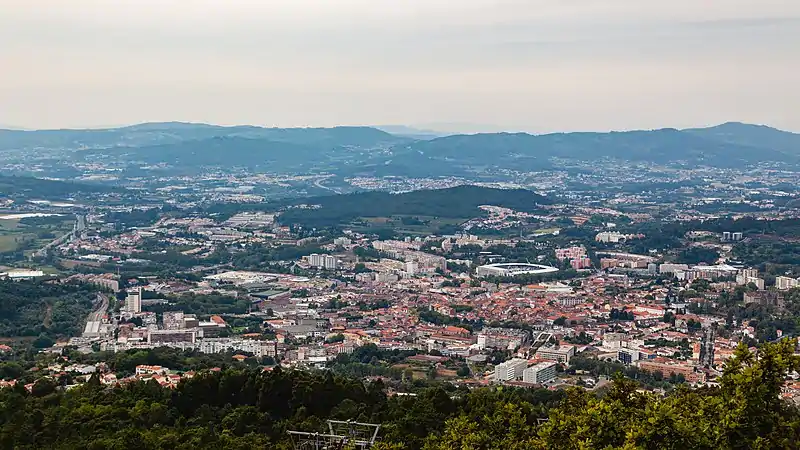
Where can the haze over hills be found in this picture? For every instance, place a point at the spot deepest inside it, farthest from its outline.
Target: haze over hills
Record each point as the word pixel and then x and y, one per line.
pixel 751 135
pixel 411 132
pixel 665 146
pixel 368 150
pixel 148 134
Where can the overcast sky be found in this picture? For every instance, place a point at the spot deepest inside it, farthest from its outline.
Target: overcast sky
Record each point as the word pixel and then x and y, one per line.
pixel 535 65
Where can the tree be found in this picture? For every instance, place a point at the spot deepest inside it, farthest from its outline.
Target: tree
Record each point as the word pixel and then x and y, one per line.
pixel 243 408
pixel 339 337
pixel 745 411
pixel 42 387
pixel 621 314
pixel 43 341
pixel 580 339
pixel 508 427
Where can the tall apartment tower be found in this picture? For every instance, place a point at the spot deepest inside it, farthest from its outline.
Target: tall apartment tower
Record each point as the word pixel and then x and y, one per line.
pixel 133 302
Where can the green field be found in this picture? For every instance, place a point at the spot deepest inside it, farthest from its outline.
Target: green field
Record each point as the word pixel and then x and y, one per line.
pixel 10 235
pixel 15 234
pixel 8 225
pixel 8 242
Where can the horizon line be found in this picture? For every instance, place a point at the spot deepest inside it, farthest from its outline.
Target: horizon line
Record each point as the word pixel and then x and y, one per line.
pixel 422 128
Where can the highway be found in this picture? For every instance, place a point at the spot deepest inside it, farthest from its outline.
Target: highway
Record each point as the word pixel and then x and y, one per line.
pixel 318 183
pixel 80 225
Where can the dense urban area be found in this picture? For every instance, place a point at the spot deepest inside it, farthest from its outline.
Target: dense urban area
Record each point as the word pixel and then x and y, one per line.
pixel 434 293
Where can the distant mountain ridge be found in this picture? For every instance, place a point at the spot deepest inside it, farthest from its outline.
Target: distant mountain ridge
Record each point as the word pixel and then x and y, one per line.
pixel 727 145
pixel 751 135
pixel 369 151
pixel 411 132
pixel 160 133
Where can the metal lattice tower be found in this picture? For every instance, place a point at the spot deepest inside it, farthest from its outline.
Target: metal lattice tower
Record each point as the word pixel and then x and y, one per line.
pixel 341 434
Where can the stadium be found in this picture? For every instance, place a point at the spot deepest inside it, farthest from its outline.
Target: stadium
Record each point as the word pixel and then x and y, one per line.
pixel 513 269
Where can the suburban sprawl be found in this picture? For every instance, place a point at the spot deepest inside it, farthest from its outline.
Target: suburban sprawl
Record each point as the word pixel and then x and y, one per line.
pixel 552 272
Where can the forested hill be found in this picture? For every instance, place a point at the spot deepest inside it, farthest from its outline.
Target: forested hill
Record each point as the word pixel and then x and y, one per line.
pixel 352 151
pixel 456 202
pixel 44 310
pixel 729 145
pixel 154 134
pixel 253 409
pixel 759 136
pixel 30 187
pixel 214 152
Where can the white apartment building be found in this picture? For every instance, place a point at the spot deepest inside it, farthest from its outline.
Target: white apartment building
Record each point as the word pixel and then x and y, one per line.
pixel 615 340
pixel 482 341
pixel 784 283
pixel 609 237
pixel 343 241
pixel 560 354
pixel 746 276
pixel 539 373
pixel 330 262
pixel 510 370
pixel 324 261
pixel 256 347
pixel 672 268
pixel 570 253
pixel 133 302
pixel 315 260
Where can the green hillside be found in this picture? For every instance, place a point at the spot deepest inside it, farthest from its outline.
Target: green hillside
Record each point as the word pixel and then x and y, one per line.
pixel 457 202
pixel 29 187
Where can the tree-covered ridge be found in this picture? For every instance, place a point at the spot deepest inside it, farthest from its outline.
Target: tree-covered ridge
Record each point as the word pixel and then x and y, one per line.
pixel 47 310
pixel 237 409
pixel 733 145
pixel 187 148
pixel 153 134
pixel 249 409
pixel 30 187
pixel 456 202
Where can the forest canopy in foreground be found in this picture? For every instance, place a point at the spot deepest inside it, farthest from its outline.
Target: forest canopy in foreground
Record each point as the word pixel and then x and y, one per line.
pixel 238 409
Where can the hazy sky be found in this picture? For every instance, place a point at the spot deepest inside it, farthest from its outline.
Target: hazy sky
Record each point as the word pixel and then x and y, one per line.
pixel 537 65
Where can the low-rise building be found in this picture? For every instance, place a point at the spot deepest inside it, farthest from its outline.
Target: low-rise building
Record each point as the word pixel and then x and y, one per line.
pixel 764 298
pixel 151 370
pixel 688 372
